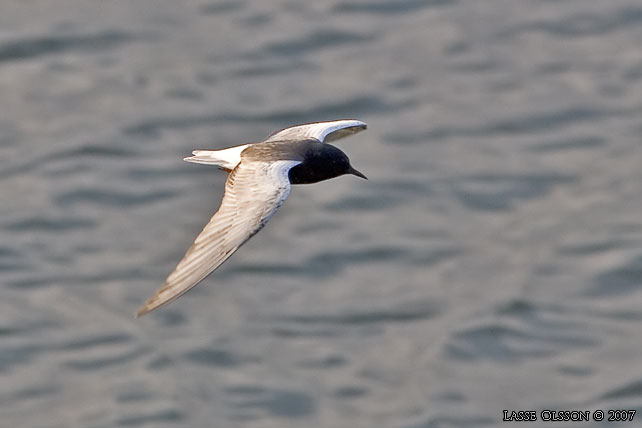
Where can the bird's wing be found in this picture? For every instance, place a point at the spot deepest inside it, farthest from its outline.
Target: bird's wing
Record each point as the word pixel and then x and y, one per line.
pixel 253 192
pixel 322 131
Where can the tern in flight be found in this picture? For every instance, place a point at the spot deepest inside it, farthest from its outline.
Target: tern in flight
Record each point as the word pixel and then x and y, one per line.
pixel 259 181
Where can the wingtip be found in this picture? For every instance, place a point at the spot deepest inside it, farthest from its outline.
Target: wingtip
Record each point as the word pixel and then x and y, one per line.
pixel 359 124
pixel 141 311
pixel 150 305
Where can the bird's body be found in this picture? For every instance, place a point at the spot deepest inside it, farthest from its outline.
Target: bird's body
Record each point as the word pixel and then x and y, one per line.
pixel 259 181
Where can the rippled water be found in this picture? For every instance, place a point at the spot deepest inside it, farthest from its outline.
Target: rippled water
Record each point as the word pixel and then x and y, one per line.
pixel 493 260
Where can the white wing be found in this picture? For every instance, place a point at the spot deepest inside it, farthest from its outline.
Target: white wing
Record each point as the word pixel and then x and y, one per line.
pixel 253 192
pixel 322 131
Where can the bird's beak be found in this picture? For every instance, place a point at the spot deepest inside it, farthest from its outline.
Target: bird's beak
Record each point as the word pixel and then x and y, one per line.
pixel 357 173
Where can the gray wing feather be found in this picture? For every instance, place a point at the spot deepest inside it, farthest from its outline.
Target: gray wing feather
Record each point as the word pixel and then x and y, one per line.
pixel 253 192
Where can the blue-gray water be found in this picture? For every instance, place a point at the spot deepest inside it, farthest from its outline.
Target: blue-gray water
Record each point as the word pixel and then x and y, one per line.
pixel 493 260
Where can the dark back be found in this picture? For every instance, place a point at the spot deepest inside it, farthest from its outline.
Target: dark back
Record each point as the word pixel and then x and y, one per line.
pixel 319 161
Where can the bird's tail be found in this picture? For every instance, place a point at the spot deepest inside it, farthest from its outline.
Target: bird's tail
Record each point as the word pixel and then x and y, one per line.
pixel 226 159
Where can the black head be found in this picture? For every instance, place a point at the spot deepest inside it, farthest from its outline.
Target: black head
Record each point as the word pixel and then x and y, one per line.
pixel 321 161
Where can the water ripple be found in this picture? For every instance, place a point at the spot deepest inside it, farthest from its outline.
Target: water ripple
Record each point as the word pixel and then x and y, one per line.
pixel 51 225
pixel 315 41
pixel 167 415
pixel 332 110
pixel 94 341
pixel 492 192
pixel 48 45
pixel 408 312
pixel 532 124
pixel 214 357
pixel 581 25
pixel 630 390
pixel 19 355
pixel 520 331
pixel 621 280
pixel 32 393
pixel 328 362
pixel 280 69
pixel 577 143
pixel 350 392
pixel 456 421
pixel 100 151
pixel 98 363
pixel 387 8
pixel 111 197
pixel 221 8
pixel 277 402
pixel 324 263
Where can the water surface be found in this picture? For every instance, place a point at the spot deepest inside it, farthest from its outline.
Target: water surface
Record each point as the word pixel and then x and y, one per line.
pixel 493 260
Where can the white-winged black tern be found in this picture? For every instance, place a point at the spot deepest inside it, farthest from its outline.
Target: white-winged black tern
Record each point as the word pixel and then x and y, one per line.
pixel 260 175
